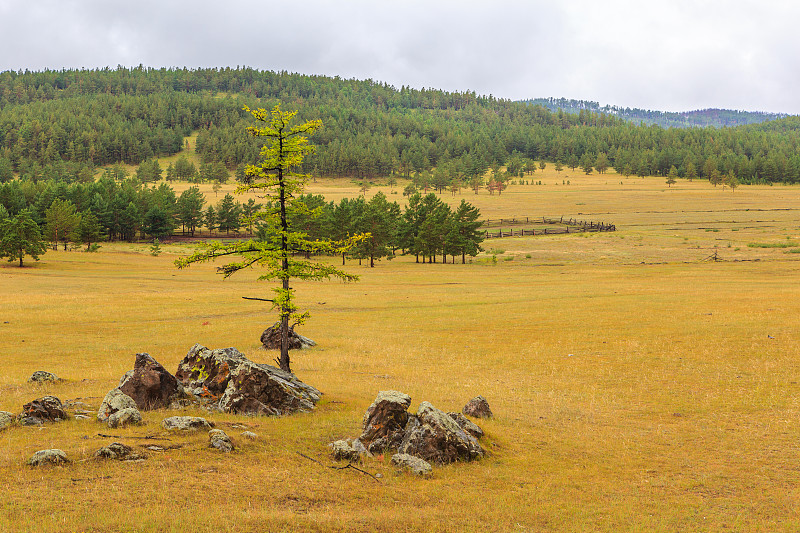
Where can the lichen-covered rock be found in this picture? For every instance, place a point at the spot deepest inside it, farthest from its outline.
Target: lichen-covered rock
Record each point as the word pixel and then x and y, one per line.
pixel 271 339
pixel 220 440
pixel 418 466
pixel 266 390
pixel 119 451
pixel 207 372
pixel 185 423
pixel 249 435
pixel 238 385
pixel 348 450
pixel 125 417
pixel 477 407
pixel 434 436
pixel 30 421
pixel 6 419
pixel 467 425
pixel 149 384
pixel 115 401
pixel 47 408
pixel 385 421
pixel 40 376
pixel 48 457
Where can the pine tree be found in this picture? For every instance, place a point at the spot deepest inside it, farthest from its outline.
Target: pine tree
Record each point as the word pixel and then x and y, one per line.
pixel 276 178
pixel 20 236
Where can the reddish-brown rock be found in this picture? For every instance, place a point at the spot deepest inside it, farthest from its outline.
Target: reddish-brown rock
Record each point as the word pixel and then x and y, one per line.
pixel 149 384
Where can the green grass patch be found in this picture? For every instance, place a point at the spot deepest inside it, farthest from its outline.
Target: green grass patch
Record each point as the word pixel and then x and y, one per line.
pixel 773 245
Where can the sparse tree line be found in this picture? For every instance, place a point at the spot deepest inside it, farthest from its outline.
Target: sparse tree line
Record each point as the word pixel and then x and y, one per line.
pixel 128 210
pixel 63 124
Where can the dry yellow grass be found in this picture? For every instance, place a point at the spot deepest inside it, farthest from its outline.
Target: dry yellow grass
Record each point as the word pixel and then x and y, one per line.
pixel 635 387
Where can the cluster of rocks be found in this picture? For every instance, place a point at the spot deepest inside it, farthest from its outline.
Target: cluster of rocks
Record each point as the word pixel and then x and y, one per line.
pixel 223 380
pixel 429 436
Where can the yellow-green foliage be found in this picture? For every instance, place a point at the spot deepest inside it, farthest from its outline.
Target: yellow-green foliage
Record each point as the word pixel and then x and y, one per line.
pixel 636 387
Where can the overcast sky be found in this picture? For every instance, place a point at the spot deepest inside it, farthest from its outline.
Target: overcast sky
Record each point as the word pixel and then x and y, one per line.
pixel 673 55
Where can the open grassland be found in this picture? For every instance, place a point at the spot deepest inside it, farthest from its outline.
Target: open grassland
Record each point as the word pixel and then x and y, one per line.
pixel 636 387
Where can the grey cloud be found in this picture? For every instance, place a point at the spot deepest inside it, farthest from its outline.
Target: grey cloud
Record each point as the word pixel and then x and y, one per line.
pixel 670 55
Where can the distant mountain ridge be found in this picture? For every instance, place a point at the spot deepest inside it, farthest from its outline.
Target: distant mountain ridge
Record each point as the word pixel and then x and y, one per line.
pixel 716 118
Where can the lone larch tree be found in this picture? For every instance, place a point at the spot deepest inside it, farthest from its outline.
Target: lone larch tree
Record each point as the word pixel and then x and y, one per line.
pixel 282 249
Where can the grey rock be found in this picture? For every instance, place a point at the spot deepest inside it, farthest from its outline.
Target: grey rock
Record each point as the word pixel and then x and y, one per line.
pixel 82 417
pixel 40 376
pixel 6 419
pixel 220 440
pixel 349 450
pixel 119 451
pixel 436 437
pixel 125 417
pixel 238 385
pixel 48 457
pixel 418 466
pixel 385 421
pixel 467 425
pixel 185 423
pixel 477 407
pixel 149 384
pixel 271 339
pixel 30 421
pixel 47 408
pixel 115 401
pixel 249 435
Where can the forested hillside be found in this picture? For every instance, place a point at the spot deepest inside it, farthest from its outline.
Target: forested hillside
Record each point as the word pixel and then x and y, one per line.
pixel 64 124
pixel 716 118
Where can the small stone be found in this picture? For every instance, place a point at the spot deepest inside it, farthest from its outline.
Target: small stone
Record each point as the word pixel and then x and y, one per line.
pixel 40 376
pixel 117 450
pixel 185 423
pixel 418 466
pixel 154 448
pixel 6 419
pixel 220 440
pixel 249 435
pixel 477 407
pixel 82 417
pixel 48 457
pixel 125 417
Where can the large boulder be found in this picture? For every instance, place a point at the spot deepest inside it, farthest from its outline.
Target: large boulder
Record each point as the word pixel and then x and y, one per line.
pixel 434 436
pixel 385 421
pixel 238 385
pixel 48 457
pixel 149 384
pixel 46 408
pixel 115 401
pixel 271 339
pixel 206 373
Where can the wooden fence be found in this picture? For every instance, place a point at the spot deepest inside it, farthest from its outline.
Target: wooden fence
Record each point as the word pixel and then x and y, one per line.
pixel 570 225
